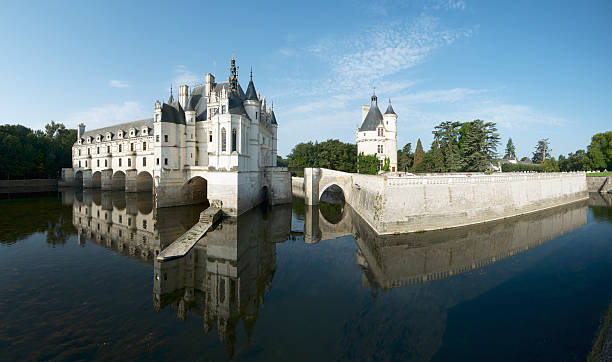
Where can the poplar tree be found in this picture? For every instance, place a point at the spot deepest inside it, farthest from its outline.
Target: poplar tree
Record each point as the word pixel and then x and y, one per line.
pixel 510 150
pixel 419 154
pixel 437 158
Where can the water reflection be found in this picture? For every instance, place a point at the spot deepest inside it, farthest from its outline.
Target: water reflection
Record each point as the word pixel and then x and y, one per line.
pixel 224 278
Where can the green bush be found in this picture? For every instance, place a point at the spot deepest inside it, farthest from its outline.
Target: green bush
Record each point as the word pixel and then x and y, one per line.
pixel 521 167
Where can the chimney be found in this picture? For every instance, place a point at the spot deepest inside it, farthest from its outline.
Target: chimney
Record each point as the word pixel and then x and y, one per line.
pixel 210 82
pixel 183 94
pixel 81 130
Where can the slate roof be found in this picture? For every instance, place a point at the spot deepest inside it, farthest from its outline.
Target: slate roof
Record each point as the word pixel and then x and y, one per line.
pixel 123 126
pixel 373 118
pixel 197 102
pixel 273 117
pixel 251 94
pixel 173 113
pixel 390 109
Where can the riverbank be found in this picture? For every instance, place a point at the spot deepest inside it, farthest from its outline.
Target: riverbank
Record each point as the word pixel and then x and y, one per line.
pixel 602 348
pixel 32 185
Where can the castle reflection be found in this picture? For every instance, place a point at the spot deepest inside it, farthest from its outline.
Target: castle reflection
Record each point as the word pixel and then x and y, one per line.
pixel 223 280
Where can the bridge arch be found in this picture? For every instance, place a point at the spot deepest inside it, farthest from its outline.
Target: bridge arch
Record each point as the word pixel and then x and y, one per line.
pixel 96 180
pixel 78 179
pixel 118 181
pixel 195 190
pixel 332 193
pixel 144 182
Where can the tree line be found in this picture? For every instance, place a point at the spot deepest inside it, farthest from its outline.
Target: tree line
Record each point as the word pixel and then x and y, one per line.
pixel 26 154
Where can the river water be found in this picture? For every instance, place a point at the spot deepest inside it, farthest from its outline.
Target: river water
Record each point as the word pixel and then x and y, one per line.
pixel 80 281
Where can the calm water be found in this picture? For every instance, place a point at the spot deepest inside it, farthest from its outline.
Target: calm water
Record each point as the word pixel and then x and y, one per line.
pixel 79 281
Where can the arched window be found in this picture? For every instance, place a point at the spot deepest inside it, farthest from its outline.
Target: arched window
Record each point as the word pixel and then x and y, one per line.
pixel 234 140
pixel 223 140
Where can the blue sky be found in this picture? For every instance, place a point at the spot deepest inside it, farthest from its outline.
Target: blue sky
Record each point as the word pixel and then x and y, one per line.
pixel 539 69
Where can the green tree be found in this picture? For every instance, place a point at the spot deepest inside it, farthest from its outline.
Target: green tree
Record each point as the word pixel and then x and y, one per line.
pixel 419 154
pixel 447 134
pixel 599 152
pixel 510 150
pixel 405 157
pixel 386 165
pixel 478 144
pixel 332 154
pixel 437 158
pixel 550 165
pixel 542 151
pixel 367 164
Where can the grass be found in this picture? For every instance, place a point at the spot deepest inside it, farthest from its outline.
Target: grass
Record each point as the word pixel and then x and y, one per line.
pixel 596 353
pixel 599 174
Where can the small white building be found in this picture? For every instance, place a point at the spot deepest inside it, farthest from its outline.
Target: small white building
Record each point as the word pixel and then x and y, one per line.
pixel 214 142
pixel 378 134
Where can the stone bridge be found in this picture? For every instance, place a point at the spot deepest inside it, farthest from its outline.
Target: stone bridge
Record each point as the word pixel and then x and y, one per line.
pixel 394 204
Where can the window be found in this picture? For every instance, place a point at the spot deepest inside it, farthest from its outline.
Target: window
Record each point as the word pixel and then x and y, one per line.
pixel 233 140
pixel 256 114
pixel 105 163
pixel 380 132
pixel 144 224
pixel 209 136
pixel 223 140
pixel 89 151
pixel 85 163
pixel 79 163
pixel 192 155
pixel 119 162
pixel 157 138
pixel 98 150
pixel 165 138
pixel 380 148
pixel 144 146
pixel 131 147
pixel 144 161
pixel 157 161
pixel 120 221
pixel 129 162
pixel 120 148
pixel 223 109
pixel 79 151
pixel 166 161
pixel 380 164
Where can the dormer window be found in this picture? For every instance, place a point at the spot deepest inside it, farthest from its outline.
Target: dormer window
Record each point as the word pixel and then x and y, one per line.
pixel 108 136
pixel 120 134
pixel 132 132
pixel 80 141
pixel 89 139
pixel 145 131
pixel 98 138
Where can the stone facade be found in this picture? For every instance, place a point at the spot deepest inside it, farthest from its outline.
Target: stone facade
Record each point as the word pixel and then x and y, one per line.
pixel 213 142
pixel 378 134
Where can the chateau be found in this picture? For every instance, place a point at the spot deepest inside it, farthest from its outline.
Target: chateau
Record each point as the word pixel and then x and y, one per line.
pixel 378 134
pixel 214 142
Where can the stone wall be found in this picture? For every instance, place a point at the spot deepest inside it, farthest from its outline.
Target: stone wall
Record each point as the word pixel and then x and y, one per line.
pixel 33 185
pixel 601 184
pixel 420 203
pixel 297 186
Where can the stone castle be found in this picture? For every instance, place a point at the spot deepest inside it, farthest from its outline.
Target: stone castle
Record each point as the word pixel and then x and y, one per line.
pixel 214 142
pixel 378 134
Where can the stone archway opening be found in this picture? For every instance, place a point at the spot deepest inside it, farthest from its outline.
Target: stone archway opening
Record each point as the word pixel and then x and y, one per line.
pixel 332 203
pixel 196 190
pixel 96 180
pixel 118 181
pixel 144 182
pixel 78 179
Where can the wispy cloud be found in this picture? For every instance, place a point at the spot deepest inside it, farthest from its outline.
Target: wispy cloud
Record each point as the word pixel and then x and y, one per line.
pixel 118 83
pixel 448 5
pixel 182 75
pixel 102 116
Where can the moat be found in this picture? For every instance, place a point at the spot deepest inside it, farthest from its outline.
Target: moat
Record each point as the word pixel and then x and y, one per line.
pixel 295 282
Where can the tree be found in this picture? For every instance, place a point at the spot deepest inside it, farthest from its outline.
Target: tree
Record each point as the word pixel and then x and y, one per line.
pixel 437 158
pixel 367 164
pixel 447 134
pixel 478 144
pixel 599 152
pixel 386 165
pixel 419 154
pixel 573 162
pixel 281 162
pixel 551 165
pixel 542 151
pixel 405 158
pixel 331 154
pixel 510 150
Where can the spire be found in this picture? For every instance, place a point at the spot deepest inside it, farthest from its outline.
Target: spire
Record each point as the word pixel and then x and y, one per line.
pixel 374 98
pixel 171 99
pixel 390 108
pixel 251 94
pixel 233 78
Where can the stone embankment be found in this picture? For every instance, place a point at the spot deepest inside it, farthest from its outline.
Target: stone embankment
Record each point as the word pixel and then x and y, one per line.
pixel 393 204
pixel 601 184
pixel 181 246
pixel 32 185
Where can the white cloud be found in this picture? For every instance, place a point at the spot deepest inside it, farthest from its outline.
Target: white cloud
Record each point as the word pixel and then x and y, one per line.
pixel 109 114
pixel 448 5
pixel 182 75
pixel 118 83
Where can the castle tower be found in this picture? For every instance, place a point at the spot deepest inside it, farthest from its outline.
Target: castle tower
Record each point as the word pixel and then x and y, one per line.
pixel 183 95
pixel 252 104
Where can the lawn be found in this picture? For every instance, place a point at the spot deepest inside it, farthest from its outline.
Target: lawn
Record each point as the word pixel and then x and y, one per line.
pixel 600 174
